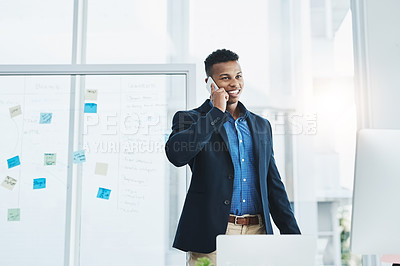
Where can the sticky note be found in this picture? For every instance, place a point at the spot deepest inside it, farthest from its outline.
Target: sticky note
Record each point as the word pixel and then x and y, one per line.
pixel 91 95
pixel 50 158
pixel 90 108
pixel 14 215
pixel 9 182
pixel 16 110
pixel 104 193
pixel 14 161
pixel 101 169
pixel 45 118
pixel 79 156
pixel 39 183
pixel 390 258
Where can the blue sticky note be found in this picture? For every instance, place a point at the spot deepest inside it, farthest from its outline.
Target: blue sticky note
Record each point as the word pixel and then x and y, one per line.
pixel 14 161
pixel 90 108
pixel 45 118
pixel 39 183
pixel 79 156
pixel 103 193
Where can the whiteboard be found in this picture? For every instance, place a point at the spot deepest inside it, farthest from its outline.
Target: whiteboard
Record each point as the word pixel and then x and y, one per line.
pixel 38 234
pixel 121 203
pixel 128 134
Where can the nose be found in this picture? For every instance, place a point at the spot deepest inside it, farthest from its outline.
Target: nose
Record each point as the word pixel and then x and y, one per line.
pixel 234 83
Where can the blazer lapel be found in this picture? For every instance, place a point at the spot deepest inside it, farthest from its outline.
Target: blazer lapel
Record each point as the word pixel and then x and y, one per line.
pixel 204 108
pixel 258 145
pixel 222 133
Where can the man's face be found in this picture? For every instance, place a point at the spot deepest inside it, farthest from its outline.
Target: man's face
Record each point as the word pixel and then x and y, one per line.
pixel 228 75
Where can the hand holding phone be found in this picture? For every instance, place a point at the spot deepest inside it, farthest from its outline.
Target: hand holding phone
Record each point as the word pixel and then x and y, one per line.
pixel 209 82
pixel 218 97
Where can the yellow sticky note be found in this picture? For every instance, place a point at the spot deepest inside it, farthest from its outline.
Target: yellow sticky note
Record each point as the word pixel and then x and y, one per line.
pixel 15 111
pixel 101 169
pixel 9 182
pixel 91 95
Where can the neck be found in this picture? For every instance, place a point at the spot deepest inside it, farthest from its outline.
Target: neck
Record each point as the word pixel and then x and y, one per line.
pixel 233 109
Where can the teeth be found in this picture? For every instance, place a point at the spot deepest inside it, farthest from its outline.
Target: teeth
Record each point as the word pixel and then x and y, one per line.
pixel 234 92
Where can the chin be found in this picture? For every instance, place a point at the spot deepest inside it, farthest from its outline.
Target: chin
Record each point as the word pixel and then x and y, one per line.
pixel 233 101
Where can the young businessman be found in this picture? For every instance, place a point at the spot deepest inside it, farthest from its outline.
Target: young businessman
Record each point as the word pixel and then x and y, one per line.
pixel 235 183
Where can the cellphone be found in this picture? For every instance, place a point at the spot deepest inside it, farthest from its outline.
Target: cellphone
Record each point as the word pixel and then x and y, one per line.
pixel 209 82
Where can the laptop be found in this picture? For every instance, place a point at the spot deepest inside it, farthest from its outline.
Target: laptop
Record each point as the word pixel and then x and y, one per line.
pixel 266 250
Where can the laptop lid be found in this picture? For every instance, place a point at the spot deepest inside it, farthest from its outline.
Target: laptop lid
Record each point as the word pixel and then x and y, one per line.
pixel 266 250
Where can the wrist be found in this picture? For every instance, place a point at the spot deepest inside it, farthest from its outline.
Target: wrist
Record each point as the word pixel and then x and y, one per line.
pixel 220 108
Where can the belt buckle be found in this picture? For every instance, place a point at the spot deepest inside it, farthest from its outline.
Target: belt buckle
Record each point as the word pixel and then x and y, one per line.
pixel 236 217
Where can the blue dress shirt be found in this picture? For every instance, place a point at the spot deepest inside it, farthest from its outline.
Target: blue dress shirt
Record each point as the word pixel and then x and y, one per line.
pixel 246 197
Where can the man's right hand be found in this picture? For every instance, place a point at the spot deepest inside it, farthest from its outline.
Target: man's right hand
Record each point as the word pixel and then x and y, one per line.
pixel 219 98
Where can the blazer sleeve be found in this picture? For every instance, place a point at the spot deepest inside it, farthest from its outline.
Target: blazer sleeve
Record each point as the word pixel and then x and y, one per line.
pixel 279 205
pixel 190 132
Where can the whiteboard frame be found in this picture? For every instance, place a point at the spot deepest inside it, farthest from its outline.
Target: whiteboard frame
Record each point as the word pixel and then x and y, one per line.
pixel 73 215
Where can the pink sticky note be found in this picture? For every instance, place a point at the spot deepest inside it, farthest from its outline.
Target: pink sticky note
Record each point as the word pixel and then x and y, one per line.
pixel 391 258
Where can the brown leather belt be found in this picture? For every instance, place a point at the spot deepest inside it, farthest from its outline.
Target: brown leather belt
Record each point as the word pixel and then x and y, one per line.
pixel 246 220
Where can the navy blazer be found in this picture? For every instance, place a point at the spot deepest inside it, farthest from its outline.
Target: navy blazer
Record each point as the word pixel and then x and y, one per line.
pixel 199 139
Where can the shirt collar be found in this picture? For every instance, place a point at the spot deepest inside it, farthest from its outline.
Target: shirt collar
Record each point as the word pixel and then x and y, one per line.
pixel 244 113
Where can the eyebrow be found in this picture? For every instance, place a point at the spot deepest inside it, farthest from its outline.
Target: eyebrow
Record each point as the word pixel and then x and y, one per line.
pixel 224 74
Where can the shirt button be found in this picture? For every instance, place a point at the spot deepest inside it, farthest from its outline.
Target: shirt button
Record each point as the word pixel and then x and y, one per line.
pixel 244 179
pixel 240 141
pixel 242 160
pixel 244 200
pixel 226 202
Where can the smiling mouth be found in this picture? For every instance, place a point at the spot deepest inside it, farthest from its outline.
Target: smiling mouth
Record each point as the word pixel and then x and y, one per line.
pixel 234 92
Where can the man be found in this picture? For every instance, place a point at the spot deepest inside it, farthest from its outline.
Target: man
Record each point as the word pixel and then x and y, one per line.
pixel 235 183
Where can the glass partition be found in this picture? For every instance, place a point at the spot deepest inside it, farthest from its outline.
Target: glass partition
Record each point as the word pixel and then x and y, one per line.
pixel 103 137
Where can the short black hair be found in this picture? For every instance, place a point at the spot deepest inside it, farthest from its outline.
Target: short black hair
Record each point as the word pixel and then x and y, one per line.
pixel 219 56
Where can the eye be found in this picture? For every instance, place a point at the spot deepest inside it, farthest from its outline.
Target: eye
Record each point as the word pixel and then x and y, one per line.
pixel 239 76
pixel 225 78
